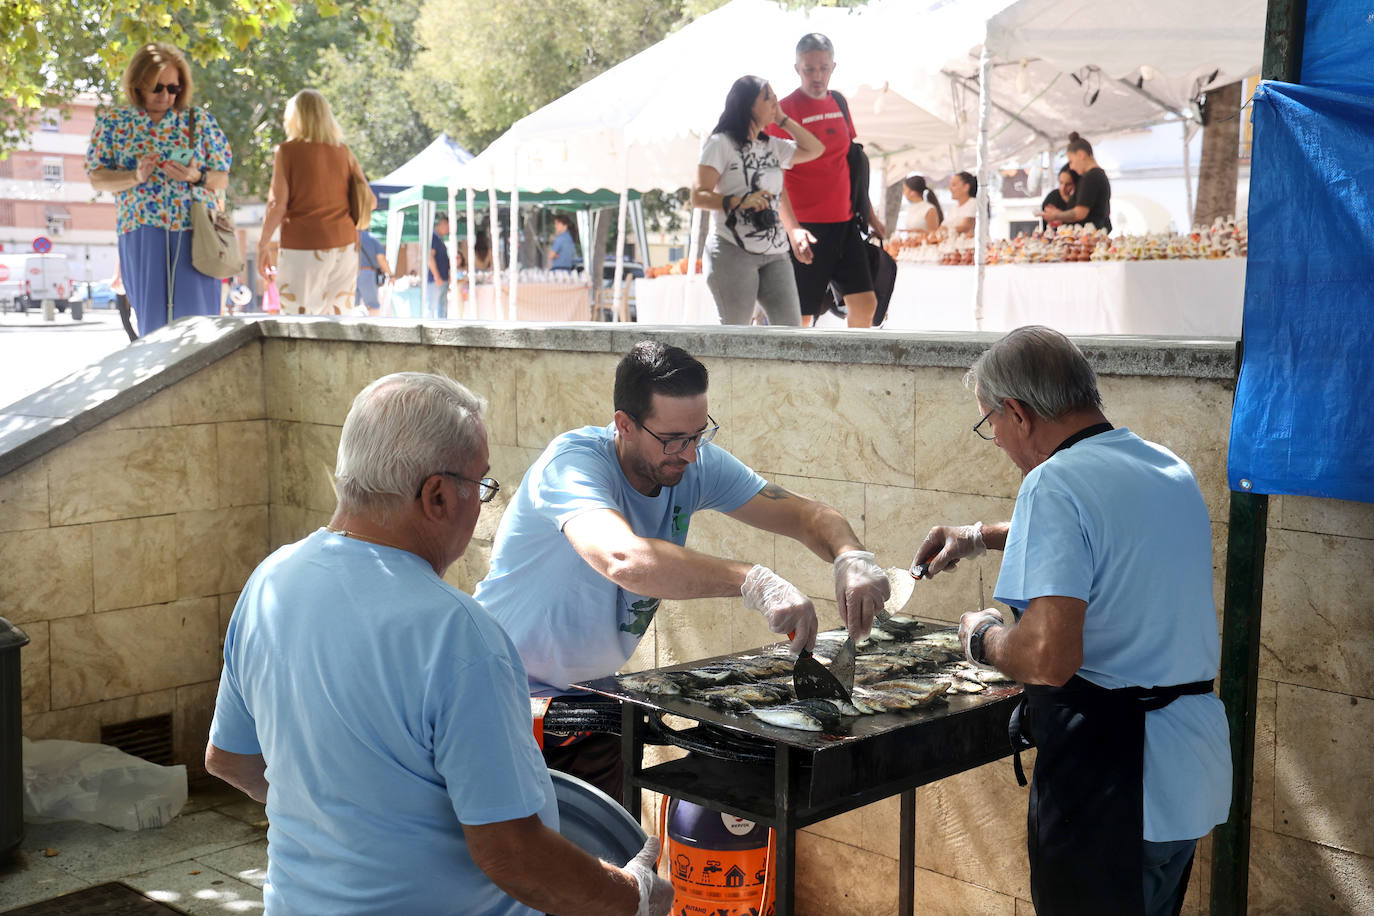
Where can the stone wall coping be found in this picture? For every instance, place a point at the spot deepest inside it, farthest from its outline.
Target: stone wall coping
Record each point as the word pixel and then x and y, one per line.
pixel 39 423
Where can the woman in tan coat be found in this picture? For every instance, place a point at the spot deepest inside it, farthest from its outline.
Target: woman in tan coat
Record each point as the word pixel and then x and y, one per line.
pixel 317 268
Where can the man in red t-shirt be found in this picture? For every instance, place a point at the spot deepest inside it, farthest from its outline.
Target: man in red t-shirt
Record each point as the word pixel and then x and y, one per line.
pixel 826 245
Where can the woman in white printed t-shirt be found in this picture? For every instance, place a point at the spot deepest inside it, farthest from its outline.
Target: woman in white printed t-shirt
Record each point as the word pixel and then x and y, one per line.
pixel 739 179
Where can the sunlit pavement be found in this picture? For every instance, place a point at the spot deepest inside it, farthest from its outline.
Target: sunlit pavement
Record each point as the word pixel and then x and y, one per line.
pixel 35 353
pixel 211 860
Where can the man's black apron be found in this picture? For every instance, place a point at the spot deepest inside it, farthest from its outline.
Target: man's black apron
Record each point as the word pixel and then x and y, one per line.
pixel 1085 830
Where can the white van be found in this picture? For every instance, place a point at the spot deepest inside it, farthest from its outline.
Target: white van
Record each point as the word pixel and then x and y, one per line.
pixel 27 279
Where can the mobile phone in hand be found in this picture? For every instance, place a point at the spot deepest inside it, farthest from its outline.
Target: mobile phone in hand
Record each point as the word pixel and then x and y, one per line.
pixel 181 156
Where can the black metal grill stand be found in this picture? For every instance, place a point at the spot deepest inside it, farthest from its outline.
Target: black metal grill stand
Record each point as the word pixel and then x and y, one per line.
pixel 804 786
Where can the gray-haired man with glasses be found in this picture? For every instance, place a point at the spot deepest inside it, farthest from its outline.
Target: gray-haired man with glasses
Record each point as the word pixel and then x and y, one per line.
pixel 1107 567
pixel 593 540
pixel 387 709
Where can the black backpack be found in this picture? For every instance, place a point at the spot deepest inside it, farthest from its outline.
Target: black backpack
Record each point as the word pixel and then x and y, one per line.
pixel 881 265
pixel 859 172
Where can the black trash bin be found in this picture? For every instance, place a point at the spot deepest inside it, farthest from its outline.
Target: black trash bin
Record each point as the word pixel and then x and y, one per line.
pixel 12 639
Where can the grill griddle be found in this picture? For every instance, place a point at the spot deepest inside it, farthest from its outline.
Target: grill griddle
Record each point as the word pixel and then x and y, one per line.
pixel 796 778
pixel 851 729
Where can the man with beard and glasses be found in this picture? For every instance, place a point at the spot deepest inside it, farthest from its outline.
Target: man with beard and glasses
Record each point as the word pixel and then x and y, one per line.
pixel 594 539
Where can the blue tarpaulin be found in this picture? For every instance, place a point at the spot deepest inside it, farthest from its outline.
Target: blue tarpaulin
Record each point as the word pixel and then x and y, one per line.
pixel 1303 421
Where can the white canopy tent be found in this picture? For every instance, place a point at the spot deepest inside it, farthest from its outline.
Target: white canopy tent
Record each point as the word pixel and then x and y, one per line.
pixel 436 162
pixel 1062 65
pixel 641 124
pixel 1101 68
pixel 914 77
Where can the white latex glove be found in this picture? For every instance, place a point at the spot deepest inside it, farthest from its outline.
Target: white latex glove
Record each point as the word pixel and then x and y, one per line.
pixel 861 590
pixel 782 604
pixel 972 621
pixel 948 544
pixel 655 892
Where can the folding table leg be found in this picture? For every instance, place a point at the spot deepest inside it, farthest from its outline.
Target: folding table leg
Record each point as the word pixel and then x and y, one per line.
pixel 906 856
pixel 631 757
pixel 784 824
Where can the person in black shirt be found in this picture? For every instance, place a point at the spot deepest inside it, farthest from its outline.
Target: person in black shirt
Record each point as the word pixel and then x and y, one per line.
pixel 1092 199
pixel 436 278
pixel 1059 198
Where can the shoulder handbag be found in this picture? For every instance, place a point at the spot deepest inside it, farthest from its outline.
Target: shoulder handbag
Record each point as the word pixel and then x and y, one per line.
pixel 360 199
pixel 214 245
pixel 858 172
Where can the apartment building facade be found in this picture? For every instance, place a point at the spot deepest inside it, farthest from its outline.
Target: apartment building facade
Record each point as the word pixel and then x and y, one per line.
pixel 44 191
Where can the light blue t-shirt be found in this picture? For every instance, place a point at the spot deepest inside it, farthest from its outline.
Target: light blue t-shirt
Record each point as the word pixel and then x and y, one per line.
pixel 569 622
pixel 1119 522
pixel 564 251
pixel 391 709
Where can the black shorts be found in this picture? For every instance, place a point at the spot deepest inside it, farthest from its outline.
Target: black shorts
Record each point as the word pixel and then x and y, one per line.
pixel 839 257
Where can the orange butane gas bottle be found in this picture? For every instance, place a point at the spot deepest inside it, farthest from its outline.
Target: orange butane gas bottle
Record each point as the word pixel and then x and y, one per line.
pixel 721 865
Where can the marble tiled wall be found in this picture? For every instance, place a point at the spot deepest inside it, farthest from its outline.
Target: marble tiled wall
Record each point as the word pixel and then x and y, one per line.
pixel 122 551
pixel 125 548
pixel 890 447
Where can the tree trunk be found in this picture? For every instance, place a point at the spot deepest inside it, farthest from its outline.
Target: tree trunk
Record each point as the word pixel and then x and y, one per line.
pixel 892 205
pixel 1218 172
pixel 703 232
pixel 531 252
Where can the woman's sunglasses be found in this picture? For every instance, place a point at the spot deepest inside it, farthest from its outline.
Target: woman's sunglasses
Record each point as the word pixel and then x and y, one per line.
pixel 169 88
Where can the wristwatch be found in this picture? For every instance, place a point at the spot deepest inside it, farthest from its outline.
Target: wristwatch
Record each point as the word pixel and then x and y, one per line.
pixel 200 182
pixel 975 641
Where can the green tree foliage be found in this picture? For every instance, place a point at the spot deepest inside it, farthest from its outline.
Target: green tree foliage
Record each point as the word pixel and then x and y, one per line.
pixel 485 65
pixel 248 57
pixel 368 86
pixel 247 92
pixel 52 50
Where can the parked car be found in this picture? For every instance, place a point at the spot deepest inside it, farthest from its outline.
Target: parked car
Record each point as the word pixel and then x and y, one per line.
pixel 632 269
pixel 99 295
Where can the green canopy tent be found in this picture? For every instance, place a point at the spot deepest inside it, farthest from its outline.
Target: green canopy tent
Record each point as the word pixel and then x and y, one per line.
pixel 421 201
pixel 405 207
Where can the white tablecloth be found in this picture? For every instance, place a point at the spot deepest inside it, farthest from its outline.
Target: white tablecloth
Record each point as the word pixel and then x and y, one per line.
pixel 1160 298
pixel 533 302
pixel 675 299
pixel 1156 298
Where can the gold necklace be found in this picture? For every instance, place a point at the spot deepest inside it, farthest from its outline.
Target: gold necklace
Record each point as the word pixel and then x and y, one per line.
pixel 361 537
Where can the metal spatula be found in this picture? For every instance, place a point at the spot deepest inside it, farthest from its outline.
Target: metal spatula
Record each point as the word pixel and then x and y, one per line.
pixel 902 585
pixel 812 680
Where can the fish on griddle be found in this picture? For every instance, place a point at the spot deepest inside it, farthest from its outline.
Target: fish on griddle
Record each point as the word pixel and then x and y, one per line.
pixel 759 667
pixel 871 669
pixel 944 639
pixel 903 626
pixel 743 697
pixel 802 715
pixel 650 682
pixel 959 683
pixel 899 694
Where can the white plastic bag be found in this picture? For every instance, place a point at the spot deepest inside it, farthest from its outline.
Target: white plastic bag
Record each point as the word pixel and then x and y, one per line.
pixel 74 780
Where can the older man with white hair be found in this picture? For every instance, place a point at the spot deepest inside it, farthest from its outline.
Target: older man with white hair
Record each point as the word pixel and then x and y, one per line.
pixel 381 714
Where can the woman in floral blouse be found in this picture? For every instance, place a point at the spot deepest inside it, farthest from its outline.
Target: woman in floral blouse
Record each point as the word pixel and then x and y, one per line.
pixel 131 154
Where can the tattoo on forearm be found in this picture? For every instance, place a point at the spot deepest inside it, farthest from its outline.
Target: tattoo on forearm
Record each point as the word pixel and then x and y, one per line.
pixel 773 491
